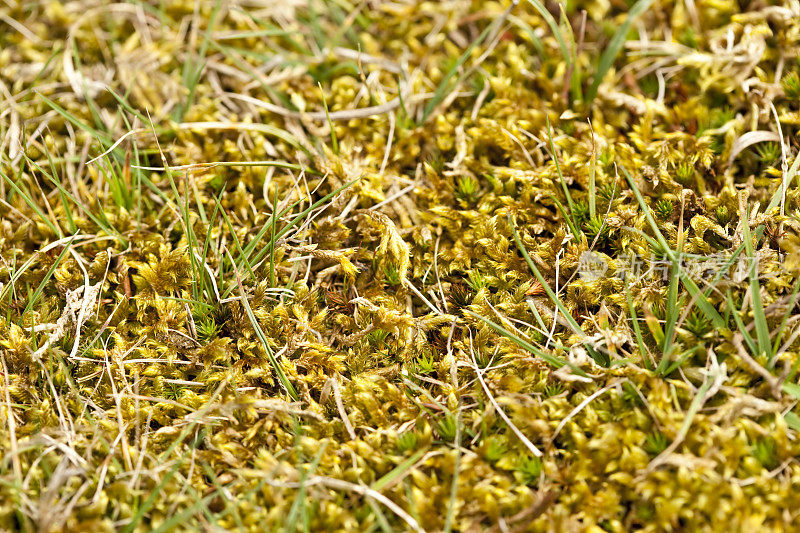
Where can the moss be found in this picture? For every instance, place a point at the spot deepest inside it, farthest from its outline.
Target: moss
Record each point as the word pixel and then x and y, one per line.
pixel 332 267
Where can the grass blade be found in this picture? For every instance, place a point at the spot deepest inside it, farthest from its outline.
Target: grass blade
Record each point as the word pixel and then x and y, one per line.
pixel 551 22
pixel 637 329
pixel 701 300
pixel 32 300
pixel 33 205
pixel 334 140
pixel 748 339
pixel 759 318
pixel 245 255
pixel 671 315
pixel 441 91
pixel 614 47
pixel 398 471
pixel 522 343
pixel 567 219
pixel 786 315
pixel 567 315
pixel 564 188
pixel 260 333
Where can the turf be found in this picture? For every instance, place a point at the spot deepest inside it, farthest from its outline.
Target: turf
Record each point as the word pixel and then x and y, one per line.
pixel 399 266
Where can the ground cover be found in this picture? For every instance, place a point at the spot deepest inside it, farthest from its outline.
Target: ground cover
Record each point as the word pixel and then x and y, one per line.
pixel 442 266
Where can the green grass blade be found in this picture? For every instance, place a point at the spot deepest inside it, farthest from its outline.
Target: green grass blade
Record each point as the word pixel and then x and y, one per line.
pixel 100 136
pixel 567 219
pixel 793 389
pixel 245 256
pixel 759 318
pixel 614 47
pixel 537 316
pixel 637 329
pixel 261 336
pixel 748 339
pixel 701 300
pixel 399 471
pixel 33 205
pixel 593 183
pixel 671 315
pixel 451 505
pixel 442 90
pixel 564 311
pixel 123 101
pixel 792 420
pixel 262 163
pixel 32 300
pixel 151 499
pixel 786 315
pixel 551 22
pixel 266 129
pixel 102 223
pixel 529 33
pixel 522 343
pixel 273 220
pixel 334 140
pixel 575 78
pixel 681 359
pixel 299 500
pixel 32 85
pixel 190 79
pixel 71 227
pixel 564 187
pixel 239 249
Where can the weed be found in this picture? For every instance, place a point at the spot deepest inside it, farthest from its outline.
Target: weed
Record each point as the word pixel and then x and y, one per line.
pixel 495 448
pixel 723 215
pixel 597 230
pixel 460 294
pixel 697 324
pixel 475 280
pixel 581 213
pixel 607 193
pixel 553 389
pixel 207 328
